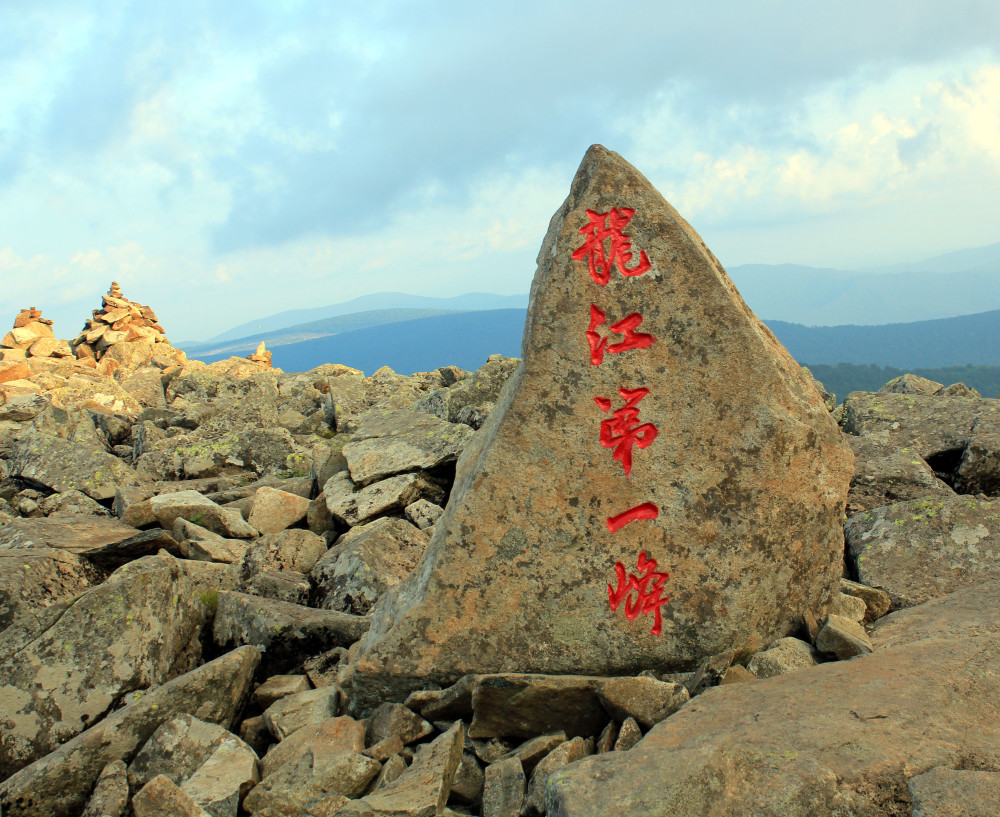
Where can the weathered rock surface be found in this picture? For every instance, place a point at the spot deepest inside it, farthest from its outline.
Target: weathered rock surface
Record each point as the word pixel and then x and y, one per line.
pixel 931 426
pixel 58 784
pixel 366 562
pixel 297 550
pixel 925 548
pixel 72 535
pixel 926 697
pixel 195 507
pixel 884 473
pixel 35 578
pixel 522 705
pixel 110 795
pixel 60 675
pixel 283 632
pixel 272 511
pixel 291 713
pixel 422 790
pixel 394 441
pixel 747 470
pixel 979 469
pixel 351 506
pixel 783 656
pixel 944 792
pixel 341 734
pixel 64 465
pixel 647 700
pixel 161 796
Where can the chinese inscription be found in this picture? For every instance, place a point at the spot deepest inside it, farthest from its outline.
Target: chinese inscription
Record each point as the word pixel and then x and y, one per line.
pixel 607 246
pixel 647 585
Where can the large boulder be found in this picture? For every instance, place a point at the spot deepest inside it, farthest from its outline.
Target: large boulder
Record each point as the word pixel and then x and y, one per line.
pixel 554 552
pixel 33 578
pixel 885 473
pixel 58 785
pixel 67 670
pixel 927 697
pixel 925 548
pixel 64 465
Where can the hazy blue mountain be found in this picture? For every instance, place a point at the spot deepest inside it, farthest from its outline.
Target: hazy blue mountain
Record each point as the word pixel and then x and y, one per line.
pixel 824 297
pixel 463 339
pixel 965 340
pixel 240 347
pixel 368 303
pixel 466 338
pixel 976 259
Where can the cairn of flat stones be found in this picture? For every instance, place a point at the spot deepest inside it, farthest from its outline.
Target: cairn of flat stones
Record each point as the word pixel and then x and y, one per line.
pixel 119 320
pixel 32 336
pixel 261 355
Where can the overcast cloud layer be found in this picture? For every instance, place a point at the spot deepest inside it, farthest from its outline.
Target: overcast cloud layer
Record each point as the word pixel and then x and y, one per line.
pixel 225 160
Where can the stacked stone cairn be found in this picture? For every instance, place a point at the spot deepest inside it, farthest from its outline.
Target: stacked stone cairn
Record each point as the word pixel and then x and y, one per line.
pixel 32 336
pixel 118 322
pixel 262 355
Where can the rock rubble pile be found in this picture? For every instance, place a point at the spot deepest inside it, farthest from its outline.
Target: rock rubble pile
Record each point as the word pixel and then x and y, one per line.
pixel 32 336
pixel 197 562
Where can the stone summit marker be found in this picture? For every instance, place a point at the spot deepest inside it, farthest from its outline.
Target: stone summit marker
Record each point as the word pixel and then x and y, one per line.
pixel 659 481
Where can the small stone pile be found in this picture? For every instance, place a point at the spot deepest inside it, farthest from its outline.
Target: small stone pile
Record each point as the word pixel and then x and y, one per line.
pixel 262 355
pixel 118 321
pixel 32 336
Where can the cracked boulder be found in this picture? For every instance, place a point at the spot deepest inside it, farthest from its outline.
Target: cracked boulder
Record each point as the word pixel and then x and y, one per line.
pixel 68 668
pixel 926 548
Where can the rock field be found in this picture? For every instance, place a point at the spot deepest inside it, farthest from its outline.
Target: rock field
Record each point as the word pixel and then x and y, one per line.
pixel 228 590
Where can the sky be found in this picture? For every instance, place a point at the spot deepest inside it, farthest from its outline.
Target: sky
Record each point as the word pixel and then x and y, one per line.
pixel 228 160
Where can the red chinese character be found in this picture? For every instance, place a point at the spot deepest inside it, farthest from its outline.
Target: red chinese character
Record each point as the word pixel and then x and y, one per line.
pixel 623 431
pixel 605 226
pixel 626 326
pixel 647 597
pixel 647 510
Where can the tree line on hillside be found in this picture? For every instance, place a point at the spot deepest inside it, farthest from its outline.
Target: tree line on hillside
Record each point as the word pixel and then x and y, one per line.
pixel 843 378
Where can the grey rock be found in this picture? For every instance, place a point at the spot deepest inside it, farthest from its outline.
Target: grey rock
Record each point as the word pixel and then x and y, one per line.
pixel 71 503
pixel 280 585
pixel 504 788
pixel 160 797
pixel 355 507
pixel 109 641
pixel 452 703
pixel 848 606
pixel 561 756
pixel 467 787
pixel 63 465
pixel 843 637
pixel 35 578
pixel 221 783
pixel 290 713
pixel 877 602
pixel 177 748
pixel 422 790
pixel 911 384
pixel 391 769
pixel 944 792
pixel 279 686
pixel 979 469
pixel 58 784
pixel 647 700
pixel 110 795
pixel 396 441
pixel 297 550
pixel 341 734
pixel 922 549
pixel 929 425
pixel 629 735
pixel 286 633
pixel 534 749
pixel 196 508
pixel 74 535
pixel 478 393
pixel 366 562
pixel 783 656
pixel 320 771
pixel 391 720
pixel 885 473
pixel 526 705
pixel 957 390
pixel 423 514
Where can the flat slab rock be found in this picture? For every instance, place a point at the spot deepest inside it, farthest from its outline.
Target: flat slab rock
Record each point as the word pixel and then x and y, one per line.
pixel 285 633
pixel 394 441
pixel 63 465
pixel 72 534
pixel 33 578
pixel 926 548
pixel 731 447
pixel 926 697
